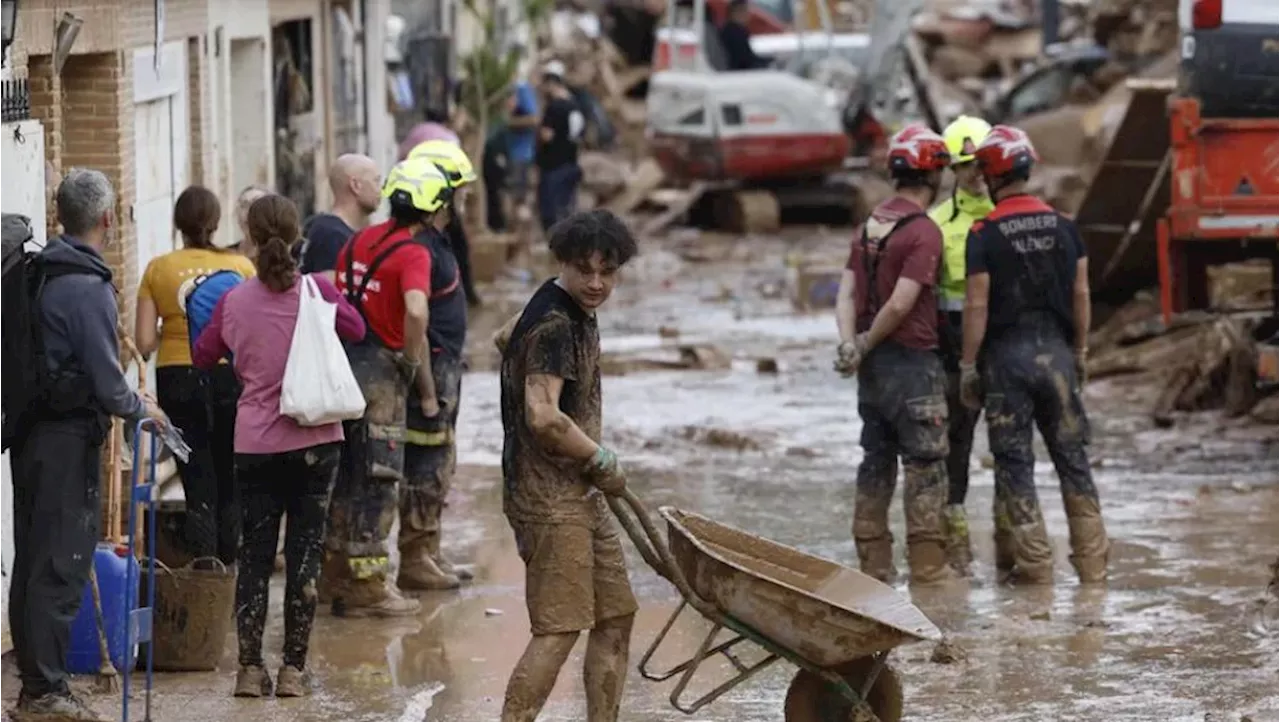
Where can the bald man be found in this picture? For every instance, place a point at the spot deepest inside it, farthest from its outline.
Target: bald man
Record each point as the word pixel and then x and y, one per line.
pixel 357 193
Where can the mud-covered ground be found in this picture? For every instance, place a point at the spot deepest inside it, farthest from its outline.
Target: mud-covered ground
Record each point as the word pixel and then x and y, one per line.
pixel 1178 634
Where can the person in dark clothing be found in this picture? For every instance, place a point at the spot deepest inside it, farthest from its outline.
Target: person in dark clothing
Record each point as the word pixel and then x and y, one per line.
pixel 494 169
pixel 736 39
pixel 430 448
pixel 887 311
pixel 1026 335
pixel 456 233
pixel 557 156
pixel 57 460
pixel 201 403
pixel 357 193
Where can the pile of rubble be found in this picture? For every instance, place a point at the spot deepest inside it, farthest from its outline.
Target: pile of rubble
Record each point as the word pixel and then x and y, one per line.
pixel 1200 359
pixel 991 60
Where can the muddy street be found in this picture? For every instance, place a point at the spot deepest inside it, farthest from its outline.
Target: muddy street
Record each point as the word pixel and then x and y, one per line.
pixel 764 437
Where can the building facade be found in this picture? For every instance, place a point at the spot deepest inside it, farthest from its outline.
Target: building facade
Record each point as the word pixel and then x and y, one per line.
pixel 162 94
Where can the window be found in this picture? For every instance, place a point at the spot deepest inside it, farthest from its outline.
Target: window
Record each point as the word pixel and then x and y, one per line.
pixel 731 114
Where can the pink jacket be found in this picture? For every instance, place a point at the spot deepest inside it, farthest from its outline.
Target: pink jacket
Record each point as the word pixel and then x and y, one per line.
pixel 256 325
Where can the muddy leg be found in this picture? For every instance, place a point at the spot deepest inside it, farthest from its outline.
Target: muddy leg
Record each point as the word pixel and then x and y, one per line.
pixel 420 519
pixel 304 548
pixel 1009 409
pixel 877 476
pixel 535 675
pixel 1065 428
pixel 922 430
pixel 260 510
pixel 605 667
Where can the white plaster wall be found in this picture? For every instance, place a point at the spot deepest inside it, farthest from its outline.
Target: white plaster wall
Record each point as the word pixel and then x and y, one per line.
pixel 21 191
pixel 381 126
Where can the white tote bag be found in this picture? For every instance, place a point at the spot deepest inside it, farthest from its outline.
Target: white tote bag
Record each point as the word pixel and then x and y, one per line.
pixel 319 387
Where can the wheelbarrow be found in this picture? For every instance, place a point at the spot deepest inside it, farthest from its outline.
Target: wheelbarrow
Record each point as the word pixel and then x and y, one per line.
pixel 836 624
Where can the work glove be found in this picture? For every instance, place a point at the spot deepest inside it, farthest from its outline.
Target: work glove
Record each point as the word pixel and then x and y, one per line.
pixel 849 355
pixel 604 472
pixel 1082 366
pixel 970 386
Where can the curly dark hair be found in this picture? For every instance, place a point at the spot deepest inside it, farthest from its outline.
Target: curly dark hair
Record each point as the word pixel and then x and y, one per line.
pixel 578 236
pixel 274 227
pixel 196 214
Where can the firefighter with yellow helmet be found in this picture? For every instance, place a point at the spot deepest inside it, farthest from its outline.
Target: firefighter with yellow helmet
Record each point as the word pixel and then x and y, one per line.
pixel 385 272
pixel 969 202
pixel 429 451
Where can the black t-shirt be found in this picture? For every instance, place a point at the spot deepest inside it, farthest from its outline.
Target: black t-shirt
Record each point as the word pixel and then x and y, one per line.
pixel 324 235
pixel 447 304
pixel 554 336
pixel 566 121
pixel 1030 251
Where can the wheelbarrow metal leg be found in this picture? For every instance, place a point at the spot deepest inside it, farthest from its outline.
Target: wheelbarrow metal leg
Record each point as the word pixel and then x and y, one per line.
pixel 705 650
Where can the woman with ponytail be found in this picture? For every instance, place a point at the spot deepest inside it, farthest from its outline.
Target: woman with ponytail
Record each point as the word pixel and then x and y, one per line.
pixel 282 469
pixel 201 404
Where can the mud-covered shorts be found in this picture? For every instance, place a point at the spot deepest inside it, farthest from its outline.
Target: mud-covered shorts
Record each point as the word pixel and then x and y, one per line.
pixel 575 575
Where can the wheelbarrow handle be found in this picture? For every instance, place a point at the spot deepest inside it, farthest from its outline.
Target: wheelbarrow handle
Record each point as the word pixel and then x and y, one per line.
pixel 649 542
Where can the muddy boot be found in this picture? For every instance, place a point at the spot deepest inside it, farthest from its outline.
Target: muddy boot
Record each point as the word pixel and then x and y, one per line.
pixel 422 574
pixel 252 682
pixel 959 552
pixel 55 708
pixel 872 538
pixel 929 563
pixel 1032 552
pixel 419 536
pixel 292 682
pixel 374 597
pixel 1089 545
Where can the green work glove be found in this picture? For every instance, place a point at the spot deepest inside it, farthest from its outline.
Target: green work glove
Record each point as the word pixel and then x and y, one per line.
pixel 604 472
pixel 970 386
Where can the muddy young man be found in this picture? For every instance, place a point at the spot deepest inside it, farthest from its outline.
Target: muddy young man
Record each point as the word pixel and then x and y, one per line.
pixel 887 313
pixel 555 470
pixel 1026 333
pixel 955 216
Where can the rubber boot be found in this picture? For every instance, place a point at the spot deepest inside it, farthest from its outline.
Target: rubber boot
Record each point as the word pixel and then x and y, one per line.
pixel 1032 552
pixel 872 538
pixel 959 551
pixel 1089 545
pixel 373 597
pixel 419 536
pixel 462 571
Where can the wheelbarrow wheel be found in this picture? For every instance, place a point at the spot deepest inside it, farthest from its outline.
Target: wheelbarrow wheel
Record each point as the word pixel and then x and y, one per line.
pixel 811 699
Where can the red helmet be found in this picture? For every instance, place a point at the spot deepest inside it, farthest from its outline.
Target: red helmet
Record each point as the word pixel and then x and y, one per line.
pixel 916 148
pixel 1006 150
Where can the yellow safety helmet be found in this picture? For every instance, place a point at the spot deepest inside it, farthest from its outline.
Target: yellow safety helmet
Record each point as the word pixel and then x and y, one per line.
pixel 963 136
pixel 418 183
pixel 449 157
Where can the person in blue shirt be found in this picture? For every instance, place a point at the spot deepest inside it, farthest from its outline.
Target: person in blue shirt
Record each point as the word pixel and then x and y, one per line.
pixel 522 129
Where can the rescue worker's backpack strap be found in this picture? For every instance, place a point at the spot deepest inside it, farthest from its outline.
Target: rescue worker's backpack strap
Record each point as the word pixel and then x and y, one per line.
pixel 355 294
pixel 871 263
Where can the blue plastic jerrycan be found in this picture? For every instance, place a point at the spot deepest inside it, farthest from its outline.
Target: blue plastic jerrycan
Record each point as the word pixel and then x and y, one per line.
pixel 112 565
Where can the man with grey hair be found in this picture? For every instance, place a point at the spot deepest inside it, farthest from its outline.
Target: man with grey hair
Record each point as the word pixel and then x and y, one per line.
pixel 57 446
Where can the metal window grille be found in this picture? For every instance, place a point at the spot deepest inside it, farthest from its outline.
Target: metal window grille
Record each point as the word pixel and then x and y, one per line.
pixel 16 100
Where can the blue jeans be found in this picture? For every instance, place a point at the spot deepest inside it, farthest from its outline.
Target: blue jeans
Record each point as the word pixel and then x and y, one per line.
pixel 558 194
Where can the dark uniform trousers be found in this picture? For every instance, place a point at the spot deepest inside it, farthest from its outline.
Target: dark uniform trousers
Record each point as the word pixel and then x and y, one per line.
pixel 57 511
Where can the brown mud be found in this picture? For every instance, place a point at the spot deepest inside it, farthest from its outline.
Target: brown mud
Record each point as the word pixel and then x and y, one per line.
pixel 1183 630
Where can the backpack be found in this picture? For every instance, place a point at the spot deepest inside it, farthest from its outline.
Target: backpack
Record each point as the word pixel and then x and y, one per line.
pixel 26 378
pixel 203 298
